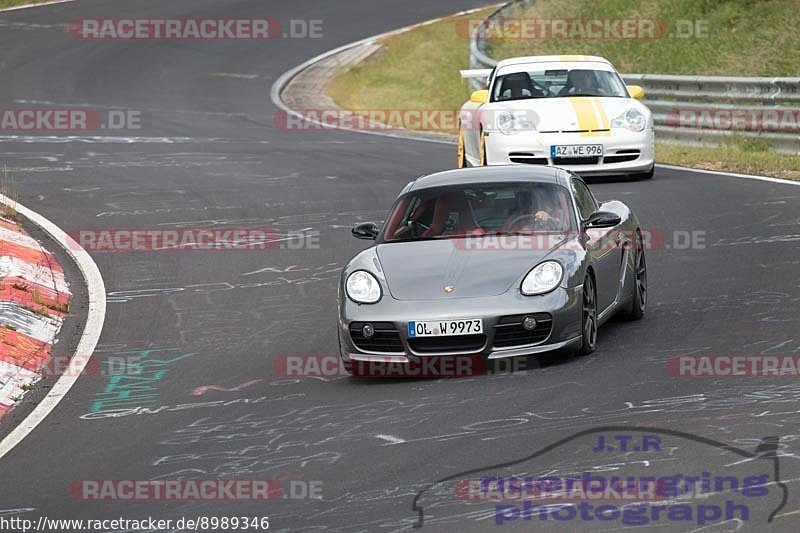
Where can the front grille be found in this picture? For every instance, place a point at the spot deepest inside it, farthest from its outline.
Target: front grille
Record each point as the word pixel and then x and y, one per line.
pixel 527 158
pixel 385 339
pixel 575 131
pixel 454 343
pixel 575 161
pixel 622 156
pixel 509 331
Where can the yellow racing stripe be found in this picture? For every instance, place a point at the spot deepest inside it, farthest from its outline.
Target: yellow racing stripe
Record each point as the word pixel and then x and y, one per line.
pixel 602 117
pixel 591 116
pixel 584 112
pixel 573 58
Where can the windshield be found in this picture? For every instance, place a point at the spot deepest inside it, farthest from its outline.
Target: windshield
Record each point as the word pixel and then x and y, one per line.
pixel 561 83
pixel 475 210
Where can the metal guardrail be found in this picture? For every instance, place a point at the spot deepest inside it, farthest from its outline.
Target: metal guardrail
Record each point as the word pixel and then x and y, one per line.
pixel 694 110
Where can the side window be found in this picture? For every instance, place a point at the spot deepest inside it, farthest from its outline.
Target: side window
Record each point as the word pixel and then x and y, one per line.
pixel 583 198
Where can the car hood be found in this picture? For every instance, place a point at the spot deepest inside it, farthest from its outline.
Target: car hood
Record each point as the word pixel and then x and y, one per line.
pixel 570 114
pixel 420 270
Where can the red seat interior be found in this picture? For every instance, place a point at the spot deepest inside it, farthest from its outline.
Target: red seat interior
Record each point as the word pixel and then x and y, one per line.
pixel 416 216
pixel 453 202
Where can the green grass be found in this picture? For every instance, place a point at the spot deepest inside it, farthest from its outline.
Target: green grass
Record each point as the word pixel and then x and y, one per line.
pixel 414 70
pixel 736 156
pixel 419 69
pixel 12 3
pixel 743 37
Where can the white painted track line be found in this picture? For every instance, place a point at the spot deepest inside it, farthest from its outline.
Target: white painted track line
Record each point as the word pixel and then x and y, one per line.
pixel 729 174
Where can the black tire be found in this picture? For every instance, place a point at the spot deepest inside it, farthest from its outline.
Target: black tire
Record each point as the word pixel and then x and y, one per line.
pixel 482 154
pixel 461 159
pixel 639 299
pixel 588 317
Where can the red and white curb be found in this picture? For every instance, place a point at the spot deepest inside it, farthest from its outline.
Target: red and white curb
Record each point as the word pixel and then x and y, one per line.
pixel 92 328
pixel 34 298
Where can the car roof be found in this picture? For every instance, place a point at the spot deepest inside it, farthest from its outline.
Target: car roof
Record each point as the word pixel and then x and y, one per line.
pixel 492 174
pixel 553 59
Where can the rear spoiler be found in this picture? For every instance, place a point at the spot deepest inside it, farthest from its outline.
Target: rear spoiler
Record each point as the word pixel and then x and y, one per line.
pixel 476 73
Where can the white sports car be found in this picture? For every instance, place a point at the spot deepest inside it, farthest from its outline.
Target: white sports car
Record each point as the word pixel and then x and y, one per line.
pixel 573 112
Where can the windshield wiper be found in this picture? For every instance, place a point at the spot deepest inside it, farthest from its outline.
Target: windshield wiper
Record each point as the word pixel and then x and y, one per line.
pixel 581 94
pixel 512 232
pixel 528 233
pixel 590 94
pixel 429 238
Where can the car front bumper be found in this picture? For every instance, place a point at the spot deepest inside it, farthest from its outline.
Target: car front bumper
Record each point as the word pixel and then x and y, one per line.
pixel 562 305
pixel 624 152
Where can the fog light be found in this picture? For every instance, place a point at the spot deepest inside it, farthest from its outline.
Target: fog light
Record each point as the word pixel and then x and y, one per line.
pixel 529 323
pixel 368 331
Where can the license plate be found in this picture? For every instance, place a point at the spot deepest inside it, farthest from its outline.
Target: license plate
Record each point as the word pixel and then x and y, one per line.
pixel 443 328
pixel 576 150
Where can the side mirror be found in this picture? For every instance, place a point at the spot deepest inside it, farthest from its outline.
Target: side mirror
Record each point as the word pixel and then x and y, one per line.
pixel 366 230
pixel 602 219
pixel 480 97
pixel 635 91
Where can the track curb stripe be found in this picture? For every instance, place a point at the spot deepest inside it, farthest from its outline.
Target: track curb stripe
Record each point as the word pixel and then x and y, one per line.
pixel 24 351
pixel 89 337
pixel 27 327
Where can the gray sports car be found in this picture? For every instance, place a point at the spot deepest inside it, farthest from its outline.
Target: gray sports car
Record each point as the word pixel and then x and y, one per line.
pixel 490 262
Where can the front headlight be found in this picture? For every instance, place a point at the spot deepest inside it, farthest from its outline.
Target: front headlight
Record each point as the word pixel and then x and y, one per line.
pixel 632 119
pixel 543 278
pixel 362 287
pixel 512 122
